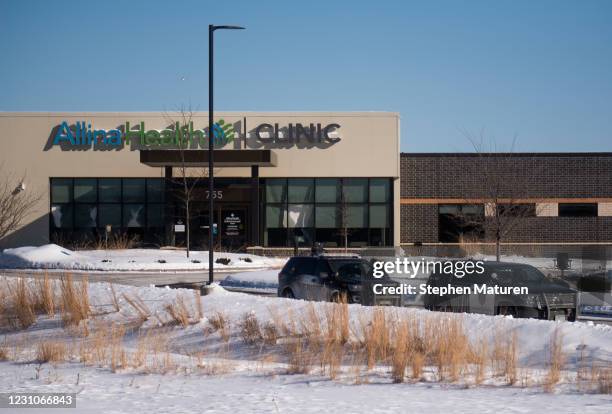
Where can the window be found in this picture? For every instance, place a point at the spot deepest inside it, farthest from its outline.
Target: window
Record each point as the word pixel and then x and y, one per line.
pixel 85 190
pixel 301 215
pixel 85 216
pixel 109 190
pixel 61 215
pixel 110 214
pixel 517 210
pixel 305 266
pixel 355 190
pixel 332 211
pixel 328 190
pixel 380 190
pixel 133 190
pixel 155 190
pixel 301 190
pixel 460 221
pixel 276 191
pixel 61 190
pixel 133 215
pixel 577 209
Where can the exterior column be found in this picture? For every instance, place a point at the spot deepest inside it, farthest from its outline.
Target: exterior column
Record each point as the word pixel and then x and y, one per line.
pixel 254 233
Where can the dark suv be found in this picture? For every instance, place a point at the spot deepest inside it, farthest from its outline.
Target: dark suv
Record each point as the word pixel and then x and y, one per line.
pixel 323 278
pixel 547 298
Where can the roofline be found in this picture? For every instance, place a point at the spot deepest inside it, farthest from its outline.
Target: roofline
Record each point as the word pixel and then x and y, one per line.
pixel 198 113
pixel 502 154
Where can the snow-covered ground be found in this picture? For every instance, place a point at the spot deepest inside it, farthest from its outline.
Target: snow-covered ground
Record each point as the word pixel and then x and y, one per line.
pixel 213 373
pixel 264 281
pixel 52 256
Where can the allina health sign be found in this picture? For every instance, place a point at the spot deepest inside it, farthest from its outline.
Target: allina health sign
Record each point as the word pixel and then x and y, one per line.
pixel 81 134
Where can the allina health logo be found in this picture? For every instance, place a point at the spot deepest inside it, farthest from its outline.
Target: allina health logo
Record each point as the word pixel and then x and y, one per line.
pixel 82 134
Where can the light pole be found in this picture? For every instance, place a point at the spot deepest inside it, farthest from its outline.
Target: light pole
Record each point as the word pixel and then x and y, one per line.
pixel 211 146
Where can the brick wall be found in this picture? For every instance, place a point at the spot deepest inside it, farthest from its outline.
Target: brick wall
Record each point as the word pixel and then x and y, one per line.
pixel 534 176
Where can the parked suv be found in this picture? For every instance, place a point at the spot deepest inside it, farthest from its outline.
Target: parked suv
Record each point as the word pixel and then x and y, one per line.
pixel 322 278
pixel 547 298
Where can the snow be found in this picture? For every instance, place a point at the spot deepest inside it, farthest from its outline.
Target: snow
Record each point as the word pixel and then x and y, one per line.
pixel 102 391
pixel 234 377
pixel 258 280
pixel 52 256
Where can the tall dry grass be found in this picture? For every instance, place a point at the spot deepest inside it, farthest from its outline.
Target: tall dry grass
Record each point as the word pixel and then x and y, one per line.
pixel 45 301
pixel 556 361
pixel 178 311
pixel 51 351
pixel 22 310
pixel 74 302
pixel 142 310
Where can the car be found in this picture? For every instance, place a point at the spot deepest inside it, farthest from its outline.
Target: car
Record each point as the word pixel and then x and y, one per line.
pixel 595 297
pixel 545 298
pixel 323 277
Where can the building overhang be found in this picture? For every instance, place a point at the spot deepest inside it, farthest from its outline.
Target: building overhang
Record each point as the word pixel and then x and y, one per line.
pixel 199 158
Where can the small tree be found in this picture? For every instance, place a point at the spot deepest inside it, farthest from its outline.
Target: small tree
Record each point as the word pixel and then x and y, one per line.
pixel 16 201
pixel 503 190
pixel 186 182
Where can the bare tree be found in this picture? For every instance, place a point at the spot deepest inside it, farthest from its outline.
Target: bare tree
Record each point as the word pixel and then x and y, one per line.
pixel 503 190
pixel 16 201
pixel 188 181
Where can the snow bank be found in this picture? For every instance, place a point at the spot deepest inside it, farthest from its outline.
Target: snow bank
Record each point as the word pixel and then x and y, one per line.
pixel 265 280
pixel 52 256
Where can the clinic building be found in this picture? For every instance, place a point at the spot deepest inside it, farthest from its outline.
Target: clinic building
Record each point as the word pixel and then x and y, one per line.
pixel 280 178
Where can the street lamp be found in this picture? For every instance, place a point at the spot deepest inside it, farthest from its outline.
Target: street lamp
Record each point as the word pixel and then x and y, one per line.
pixel 211 146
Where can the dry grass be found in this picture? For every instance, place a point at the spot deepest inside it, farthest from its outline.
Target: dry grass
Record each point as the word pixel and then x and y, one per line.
pixel 602 378
pixel 4 351
pixel 74 300
pixel 219 322
pixel 401 352
pixel 478 357
pixel 51 351
pixel 376 338
pixel 270 333
pixel 556 361
pixel 178 311
pixel 22 304
pixel 118 355
pixel 511 360
pixel 45 296
pixel 250 330
pixel 143 311
pixel 114 300
pixel 197 299
pixel 450 349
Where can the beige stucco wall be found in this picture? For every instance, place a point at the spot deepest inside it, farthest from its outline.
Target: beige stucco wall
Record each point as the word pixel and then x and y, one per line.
pixel 369 147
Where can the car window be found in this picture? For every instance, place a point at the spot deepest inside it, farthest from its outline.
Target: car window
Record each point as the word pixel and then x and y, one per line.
pixel 305 266
pixel 349 268
pixel 323 269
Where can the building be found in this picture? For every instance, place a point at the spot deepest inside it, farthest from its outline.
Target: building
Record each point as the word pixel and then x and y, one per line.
pixel 283 178
pixel 289 178
pixel 566 198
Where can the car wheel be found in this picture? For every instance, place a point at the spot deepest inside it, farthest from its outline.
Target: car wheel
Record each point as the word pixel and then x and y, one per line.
pixel 507 310
pixel 288 293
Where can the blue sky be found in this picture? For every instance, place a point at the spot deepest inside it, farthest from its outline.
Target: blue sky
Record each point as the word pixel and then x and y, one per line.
pixel 537 70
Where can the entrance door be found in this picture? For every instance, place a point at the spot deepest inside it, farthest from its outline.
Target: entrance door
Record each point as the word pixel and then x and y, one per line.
pixel 233 234
pixel 230 226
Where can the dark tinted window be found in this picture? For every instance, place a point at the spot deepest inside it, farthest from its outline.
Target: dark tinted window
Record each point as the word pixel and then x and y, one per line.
pixel 305 266
pixel 578 210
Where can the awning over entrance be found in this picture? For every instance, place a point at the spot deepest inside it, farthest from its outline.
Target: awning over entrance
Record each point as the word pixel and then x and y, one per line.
pixel 199 158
